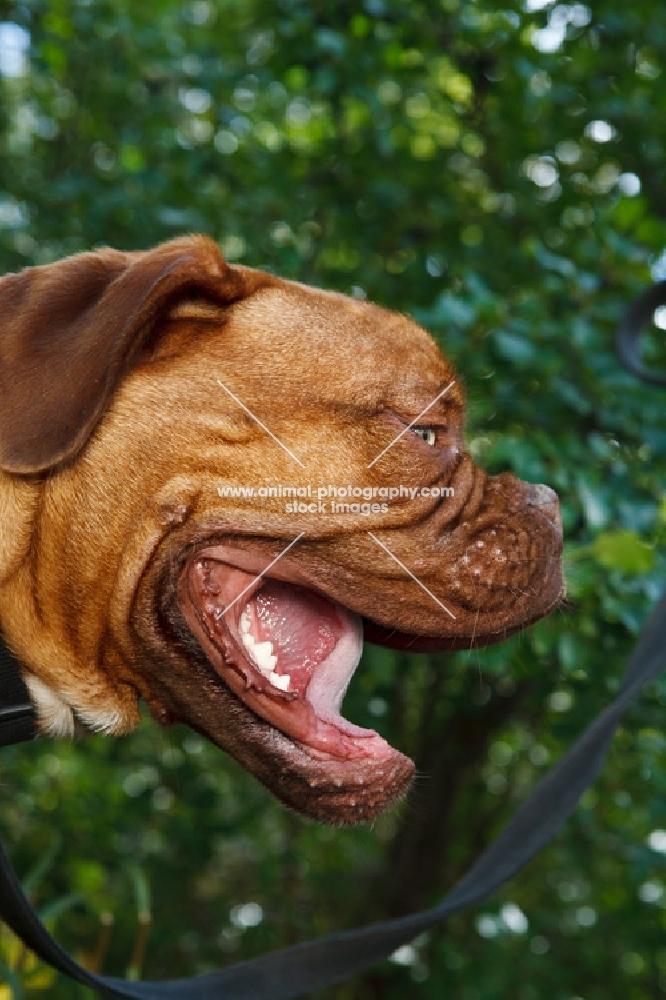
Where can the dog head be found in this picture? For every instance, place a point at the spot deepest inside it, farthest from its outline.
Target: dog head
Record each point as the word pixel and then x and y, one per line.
pixel 215 483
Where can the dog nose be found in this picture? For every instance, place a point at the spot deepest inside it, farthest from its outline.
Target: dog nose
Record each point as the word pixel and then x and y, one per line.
pixel 547 501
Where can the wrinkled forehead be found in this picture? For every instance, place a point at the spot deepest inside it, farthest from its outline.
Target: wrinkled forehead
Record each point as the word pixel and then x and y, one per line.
pixel 295 329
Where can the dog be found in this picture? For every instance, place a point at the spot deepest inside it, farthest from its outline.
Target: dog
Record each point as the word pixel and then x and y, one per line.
pixel 156 409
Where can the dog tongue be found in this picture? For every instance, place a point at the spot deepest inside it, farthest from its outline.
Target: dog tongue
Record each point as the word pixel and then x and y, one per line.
pixel 303 627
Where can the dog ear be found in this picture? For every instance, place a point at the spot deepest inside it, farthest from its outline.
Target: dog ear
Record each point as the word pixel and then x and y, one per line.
pixel 70 330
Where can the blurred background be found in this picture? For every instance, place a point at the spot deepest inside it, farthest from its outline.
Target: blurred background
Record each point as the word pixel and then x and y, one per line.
pixel 499 172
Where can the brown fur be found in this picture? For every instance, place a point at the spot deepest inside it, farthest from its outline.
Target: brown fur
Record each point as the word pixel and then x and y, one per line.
pixel 115 436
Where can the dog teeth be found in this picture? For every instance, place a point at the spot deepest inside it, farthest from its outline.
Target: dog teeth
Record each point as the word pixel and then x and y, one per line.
pixel 281 681
pixel 263 654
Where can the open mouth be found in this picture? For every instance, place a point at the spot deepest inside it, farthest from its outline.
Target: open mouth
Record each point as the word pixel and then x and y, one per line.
pixel 280 654
pixel 285 650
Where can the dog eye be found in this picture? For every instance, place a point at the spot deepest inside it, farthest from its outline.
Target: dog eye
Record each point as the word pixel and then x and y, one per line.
pixel 429 434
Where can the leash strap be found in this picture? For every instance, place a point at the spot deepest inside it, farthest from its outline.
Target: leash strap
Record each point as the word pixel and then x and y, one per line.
pixel 295 971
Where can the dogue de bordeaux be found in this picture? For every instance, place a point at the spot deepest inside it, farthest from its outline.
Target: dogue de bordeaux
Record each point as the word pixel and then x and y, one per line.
pixel 159 413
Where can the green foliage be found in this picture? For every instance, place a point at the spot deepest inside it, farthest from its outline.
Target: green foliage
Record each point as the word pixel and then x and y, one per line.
pixel 499 174
pixel 623 550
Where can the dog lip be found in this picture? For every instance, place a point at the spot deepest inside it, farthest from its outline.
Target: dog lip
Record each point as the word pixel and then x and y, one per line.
pixel 393 638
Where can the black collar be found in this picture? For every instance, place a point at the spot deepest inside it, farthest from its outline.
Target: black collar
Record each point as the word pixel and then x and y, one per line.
pixel 17 715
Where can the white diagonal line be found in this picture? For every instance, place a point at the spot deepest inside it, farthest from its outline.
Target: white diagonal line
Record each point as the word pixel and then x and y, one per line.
pixel 259 575
pixel 414 578
pixel 263 426
pixel 409 426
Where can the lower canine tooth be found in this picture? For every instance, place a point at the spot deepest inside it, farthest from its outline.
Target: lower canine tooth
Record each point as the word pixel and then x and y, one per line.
pixel 248 640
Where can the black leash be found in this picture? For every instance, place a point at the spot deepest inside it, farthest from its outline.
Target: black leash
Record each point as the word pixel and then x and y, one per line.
pixel 17 716
pixel 299 970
